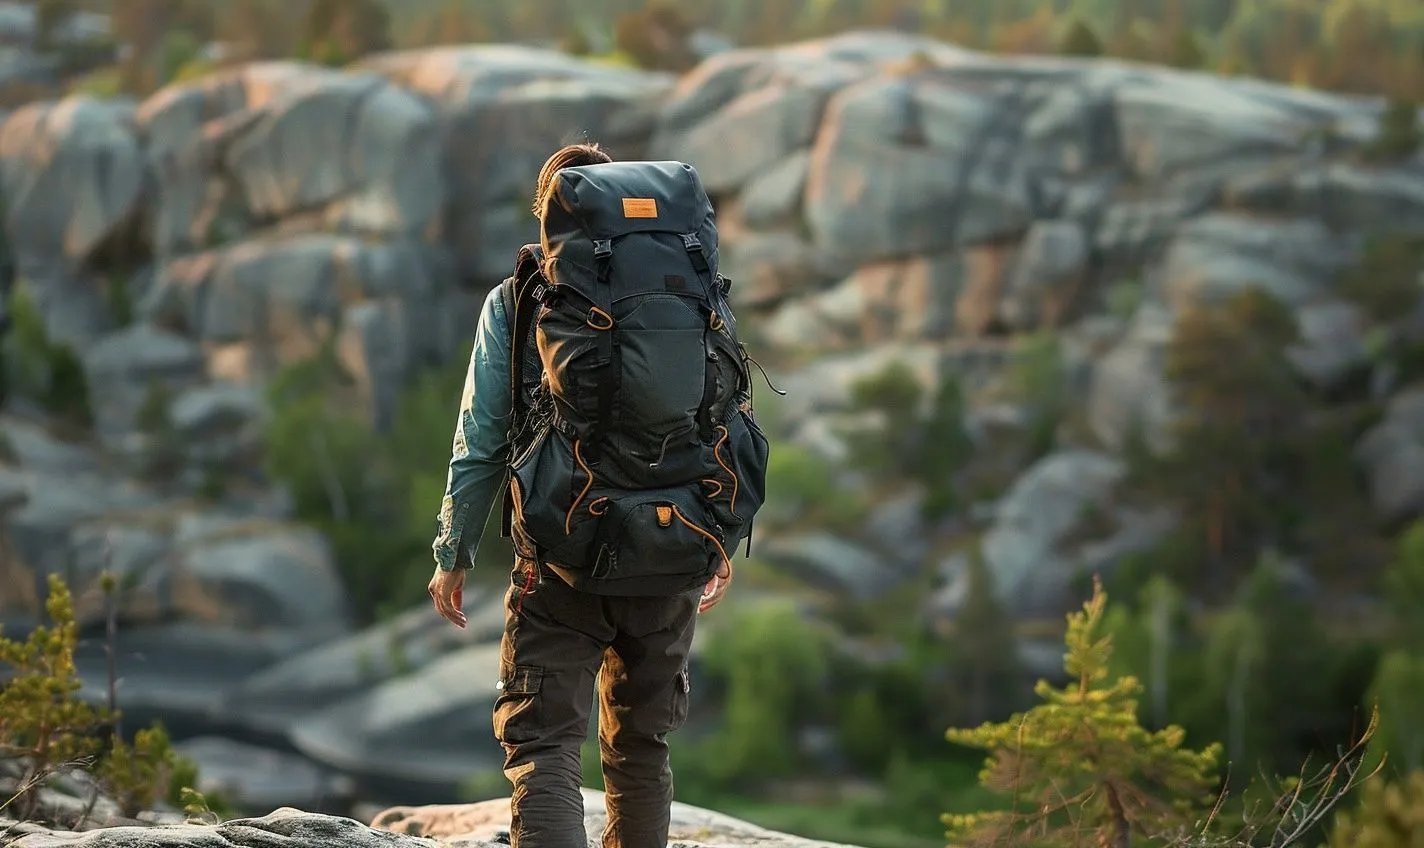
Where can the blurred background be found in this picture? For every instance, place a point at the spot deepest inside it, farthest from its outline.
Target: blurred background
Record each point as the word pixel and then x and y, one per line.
pixel 1055 289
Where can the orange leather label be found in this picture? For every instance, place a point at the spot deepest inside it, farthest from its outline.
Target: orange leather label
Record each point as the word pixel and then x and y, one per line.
pixel 664 516
pixel 640 207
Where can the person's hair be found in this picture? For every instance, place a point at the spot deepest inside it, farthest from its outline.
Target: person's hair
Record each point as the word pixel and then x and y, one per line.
pixel 568 156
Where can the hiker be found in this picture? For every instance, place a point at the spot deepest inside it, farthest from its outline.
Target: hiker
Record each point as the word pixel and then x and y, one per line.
pixel 609 399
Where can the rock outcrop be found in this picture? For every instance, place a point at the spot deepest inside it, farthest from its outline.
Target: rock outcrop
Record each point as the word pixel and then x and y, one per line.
pixel 882 198
pixel 455 826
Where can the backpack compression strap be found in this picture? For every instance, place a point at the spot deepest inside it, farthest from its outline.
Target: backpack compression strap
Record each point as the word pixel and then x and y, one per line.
pixel 519 309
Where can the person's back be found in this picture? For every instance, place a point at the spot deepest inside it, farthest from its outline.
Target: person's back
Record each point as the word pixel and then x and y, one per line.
pixel 608 385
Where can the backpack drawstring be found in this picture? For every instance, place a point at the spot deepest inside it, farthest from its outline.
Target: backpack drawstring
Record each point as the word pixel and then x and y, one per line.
pixel 662 451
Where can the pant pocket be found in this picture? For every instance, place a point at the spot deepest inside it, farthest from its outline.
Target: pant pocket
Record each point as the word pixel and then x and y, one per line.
pixel 681 695
pixel 517 714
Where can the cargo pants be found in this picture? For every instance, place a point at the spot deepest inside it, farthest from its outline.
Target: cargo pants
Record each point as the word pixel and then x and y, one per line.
pixel 559 646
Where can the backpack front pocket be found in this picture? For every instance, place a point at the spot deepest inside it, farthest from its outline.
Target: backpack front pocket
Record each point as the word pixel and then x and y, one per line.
pixel 555 499
pixel 666 532
pixel 738 490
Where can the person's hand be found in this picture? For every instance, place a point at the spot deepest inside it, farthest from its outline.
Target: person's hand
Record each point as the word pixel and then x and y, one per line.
pixel 716 587
pixel 447 590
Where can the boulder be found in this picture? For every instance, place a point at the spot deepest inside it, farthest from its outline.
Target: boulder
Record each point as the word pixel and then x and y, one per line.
pixel 72 175
pixel 502 110
pixel 830 563
pixel 270 141
pixel 1174 120
pixel 1214 256
pixel 285 826
pixel 128 364
pixel 476 825
pixel 910 300
pixel 1392 455
pixel 261 779
pixel 1047 277
pixel 1127 387
pixel 421 733
pixel 914 164
pixel 1058 523
pixel 467 825
pixel 277 699
pixel 262 304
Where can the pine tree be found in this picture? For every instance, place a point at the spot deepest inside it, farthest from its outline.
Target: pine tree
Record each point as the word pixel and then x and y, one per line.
pixel 1238 429
pixel 944 450
pixel 1080 40
pixel 986 643
pixel 1390 815
pixel 1080 767
pixel 44 725
pixel 1398 685
pixel 1399 133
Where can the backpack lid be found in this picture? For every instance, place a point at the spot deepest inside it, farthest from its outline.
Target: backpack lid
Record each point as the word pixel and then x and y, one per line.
pixel 611 199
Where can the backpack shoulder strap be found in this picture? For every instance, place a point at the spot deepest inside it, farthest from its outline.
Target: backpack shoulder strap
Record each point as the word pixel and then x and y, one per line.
pixel 520 307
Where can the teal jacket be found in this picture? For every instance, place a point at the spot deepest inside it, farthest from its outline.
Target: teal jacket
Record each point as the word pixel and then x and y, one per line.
pixel 479 456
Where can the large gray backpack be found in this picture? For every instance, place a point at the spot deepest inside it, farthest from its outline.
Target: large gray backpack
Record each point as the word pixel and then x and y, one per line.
pixel 636 464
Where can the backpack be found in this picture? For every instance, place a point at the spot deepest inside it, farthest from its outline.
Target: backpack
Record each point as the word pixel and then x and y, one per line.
pixel 636 462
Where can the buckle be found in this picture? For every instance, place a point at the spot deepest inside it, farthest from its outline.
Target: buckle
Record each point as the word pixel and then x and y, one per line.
pixel 691 241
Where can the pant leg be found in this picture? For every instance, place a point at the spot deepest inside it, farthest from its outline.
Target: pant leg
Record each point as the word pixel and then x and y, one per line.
pixel 553 644
pixel 643 693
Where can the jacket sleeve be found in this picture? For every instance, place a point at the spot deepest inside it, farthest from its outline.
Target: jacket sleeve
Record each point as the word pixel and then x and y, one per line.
pixel 481 446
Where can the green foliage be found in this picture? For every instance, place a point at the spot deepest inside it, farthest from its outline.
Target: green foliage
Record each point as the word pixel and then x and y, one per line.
pixel 987 666
pixel 1385 284
pixel 1390 815
pixel 1398 689
pixel 46 727
pixel 375 495
pixel 1257 654
pixel 1079 766
pixel 890 398
pixel 1238 431
pixel 772 661
pixel 43 370
pixel 137 776
pixel 43 722
pixel 161 457
pixel 1403 590
pixel 50 15
pixel 945 449
pixel 804 484
pixel 895 436
pixel 1038 379
pixel 1399 134
pixel 1186 51
pixel 1149 638
pixel 1080 40
pixel 337 32
pixel 656 37
pixel 1398 685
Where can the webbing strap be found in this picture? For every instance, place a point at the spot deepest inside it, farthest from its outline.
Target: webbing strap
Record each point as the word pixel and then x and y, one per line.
pixel 698 256
pixel 610 362
pixel 515 294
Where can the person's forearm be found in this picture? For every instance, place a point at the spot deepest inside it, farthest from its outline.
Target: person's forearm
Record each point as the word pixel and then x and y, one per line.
pixel 481 444
pixel 470 491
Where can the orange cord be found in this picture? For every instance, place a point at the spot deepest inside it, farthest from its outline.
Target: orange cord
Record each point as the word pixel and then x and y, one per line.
pixel 717 452
pixel 569 516
pixel 699 531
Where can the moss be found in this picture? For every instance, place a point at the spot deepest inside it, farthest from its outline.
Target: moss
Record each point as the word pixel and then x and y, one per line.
pixel 1399 134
